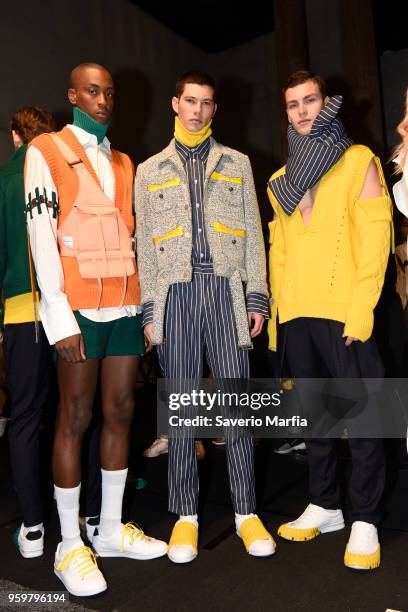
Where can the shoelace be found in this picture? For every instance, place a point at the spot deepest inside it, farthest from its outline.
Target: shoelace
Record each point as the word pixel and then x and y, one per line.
pixel 84 560
pixel 134 533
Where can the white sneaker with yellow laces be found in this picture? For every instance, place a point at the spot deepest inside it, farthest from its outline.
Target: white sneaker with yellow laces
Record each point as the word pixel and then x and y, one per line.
pixel 129 541
pixel 79 572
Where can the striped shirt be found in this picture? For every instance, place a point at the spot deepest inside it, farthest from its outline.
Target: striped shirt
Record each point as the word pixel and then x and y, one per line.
pixel 195 162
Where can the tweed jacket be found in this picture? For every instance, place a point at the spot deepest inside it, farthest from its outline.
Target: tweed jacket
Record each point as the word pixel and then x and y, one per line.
pixel 232 221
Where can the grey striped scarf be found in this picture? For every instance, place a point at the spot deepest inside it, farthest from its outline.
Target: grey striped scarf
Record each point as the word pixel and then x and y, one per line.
pixel 311 156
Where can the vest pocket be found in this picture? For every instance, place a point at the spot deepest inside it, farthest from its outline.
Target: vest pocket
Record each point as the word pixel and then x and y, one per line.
pixel 99 239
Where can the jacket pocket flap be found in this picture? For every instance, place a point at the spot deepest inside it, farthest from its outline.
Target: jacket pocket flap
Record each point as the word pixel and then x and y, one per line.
pixel 219 227
pixel 172 234
pixel 215 176
pixel 171 183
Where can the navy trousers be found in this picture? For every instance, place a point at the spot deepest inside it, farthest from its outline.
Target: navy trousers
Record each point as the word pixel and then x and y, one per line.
pixel 199 324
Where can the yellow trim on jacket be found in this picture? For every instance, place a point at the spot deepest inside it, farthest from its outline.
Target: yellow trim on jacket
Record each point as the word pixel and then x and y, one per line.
pixel 172 234
pixel 219 227
pixel 334 267
pixel 19 309
pixel 216 176
pixel 171 183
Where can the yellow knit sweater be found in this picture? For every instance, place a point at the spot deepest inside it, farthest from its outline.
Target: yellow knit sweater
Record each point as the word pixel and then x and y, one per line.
pixel 334 267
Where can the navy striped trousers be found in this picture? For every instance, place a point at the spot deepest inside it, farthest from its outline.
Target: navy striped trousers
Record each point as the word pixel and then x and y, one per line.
pixel 199 323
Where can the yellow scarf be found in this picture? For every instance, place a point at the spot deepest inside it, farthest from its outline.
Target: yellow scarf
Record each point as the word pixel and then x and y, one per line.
pixel 191 139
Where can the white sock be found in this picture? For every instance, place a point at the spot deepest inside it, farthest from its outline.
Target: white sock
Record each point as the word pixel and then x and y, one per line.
pixel 89 518
pixel 113 487
pixel 39 527
pixel 240 518
pixel 68 510
pixel 189 518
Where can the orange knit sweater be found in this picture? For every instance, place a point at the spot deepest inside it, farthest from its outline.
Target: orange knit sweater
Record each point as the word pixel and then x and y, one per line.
pixel 81 292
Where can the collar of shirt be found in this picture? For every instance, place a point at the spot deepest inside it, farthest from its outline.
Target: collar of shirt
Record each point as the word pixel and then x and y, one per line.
pixel 202 150
pixel 88 140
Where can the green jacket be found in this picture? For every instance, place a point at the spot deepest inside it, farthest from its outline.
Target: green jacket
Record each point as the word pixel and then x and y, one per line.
pixel 14 265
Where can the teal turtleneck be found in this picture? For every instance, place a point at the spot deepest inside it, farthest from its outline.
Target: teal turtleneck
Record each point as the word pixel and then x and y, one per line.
pixel 84 121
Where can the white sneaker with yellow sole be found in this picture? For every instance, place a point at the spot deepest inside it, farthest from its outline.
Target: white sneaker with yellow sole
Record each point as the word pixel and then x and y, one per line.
pixel 129 541
pixel 79 572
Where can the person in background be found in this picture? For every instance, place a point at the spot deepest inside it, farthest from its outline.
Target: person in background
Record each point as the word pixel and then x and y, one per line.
pixel 28 363
pixel 400 191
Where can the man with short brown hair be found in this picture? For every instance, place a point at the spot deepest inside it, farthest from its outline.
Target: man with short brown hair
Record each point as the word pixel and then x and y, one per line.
pixel 203 279
pixel 330 241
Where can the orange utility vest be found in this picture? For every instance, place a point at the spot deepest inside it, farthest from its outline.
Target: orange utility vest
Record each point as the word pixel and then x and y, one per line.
pixel 104 291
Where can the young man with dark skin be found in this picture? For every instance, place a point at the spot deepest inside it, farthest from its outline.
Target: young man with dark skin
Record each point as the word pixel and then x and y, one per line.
pixel 330 241
pixel 199 238
pixel 90 314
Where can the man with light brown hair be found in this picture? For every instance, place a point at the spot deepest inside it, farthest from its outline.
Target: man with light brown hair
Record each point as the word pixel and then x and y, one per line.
pixel 330 242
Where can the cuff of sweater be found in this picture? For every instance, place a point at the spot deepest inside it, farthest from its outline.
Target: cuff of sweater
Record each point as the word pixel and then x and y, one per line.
pixel 258 302
pixel 359 322
pixel 147 313
pixel 272 328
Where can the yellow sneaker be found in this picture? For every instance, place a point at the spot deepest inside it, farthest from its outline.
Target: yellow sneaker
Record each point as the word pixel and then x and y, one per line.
pixel 314 521
pixel 257 540
pixel 183 545
pixel 363 550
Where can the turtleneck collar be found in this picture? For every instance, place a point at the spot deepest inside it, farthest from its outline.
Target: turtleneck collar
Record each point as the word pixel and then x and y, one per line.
pixel 85 122
pixel 191 139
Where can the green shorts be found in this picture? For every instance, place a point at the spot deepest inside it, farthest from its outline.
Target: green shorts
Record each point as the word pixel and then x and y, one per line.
pixel 115 338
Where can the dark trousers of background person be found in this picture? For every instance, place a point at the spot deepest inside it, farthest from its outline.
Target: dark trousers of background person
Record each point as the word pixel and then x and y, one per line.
pixel 199 324
pixel 91 485
pixel 315 348
pixel 29 372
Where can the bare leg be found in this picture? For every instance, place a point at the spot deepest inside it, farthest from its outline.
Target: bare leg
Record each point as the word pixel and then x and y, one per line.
pixel 118 388
pixel 77 385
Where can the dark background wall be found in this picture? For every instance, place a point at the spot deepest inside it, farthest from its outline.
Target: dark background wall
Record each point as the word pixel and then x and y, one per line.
pixel 145 57
pixel 250 54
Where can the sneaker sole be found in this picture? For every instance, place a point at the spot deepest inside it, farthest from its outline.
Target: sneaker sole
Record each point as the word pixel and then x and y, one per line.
pixel 137 556
pixel 356 569
pixel 79 593
pixel 328 529
pixel 331 528
pixel 256 554
pixel 156 454
pixel 32 554
pixel 299 447
pixel 179 561
pixel 263 555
